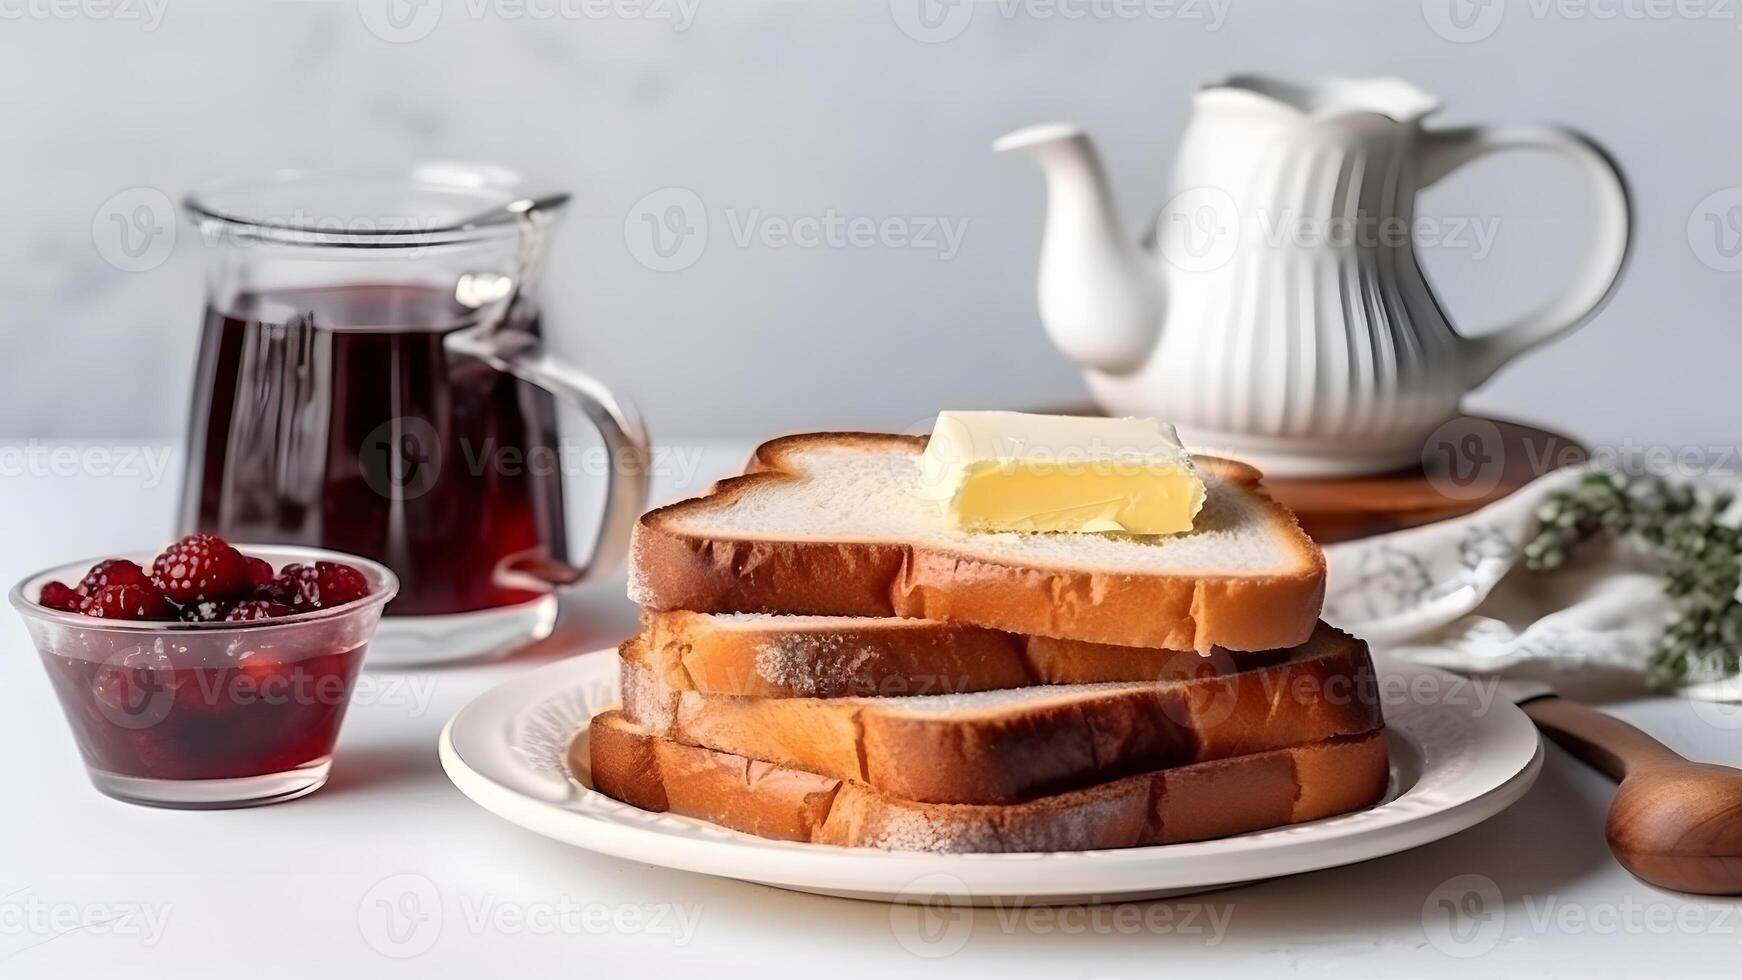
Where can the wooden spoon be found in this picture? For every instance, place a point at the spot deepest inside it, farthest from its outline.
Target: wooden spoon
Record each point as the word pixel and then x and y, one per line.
pixel 1674 823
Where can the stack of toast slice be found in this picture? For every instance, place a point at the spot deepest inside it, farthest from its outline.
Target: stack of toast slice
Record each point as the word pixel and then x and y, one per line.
pixel 823 658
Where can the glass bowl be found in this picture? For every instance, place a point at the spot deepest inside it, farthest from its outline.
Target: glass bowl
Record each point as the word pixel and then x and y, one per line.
pixel 206 715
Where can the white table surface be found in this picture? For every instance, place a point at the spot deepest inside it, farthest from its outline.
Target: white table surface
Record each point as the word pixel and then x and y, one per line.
pixel 292 890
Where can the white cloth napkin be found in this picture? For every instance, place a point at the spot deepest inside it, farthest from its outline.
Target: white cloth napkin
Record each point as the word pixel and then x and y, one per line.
pixel 1457 595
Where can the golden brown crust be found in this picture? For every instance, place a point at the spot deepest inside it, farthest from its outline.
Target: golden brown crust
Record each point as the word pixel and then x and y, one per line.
pixel 1013 751
pixel 622 757
pixel 672 568
pixel 1195 802
pixel 832 657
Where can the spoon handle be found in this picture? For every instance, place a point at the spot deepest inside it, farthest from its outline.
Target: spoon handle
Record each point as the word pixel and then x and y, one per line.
pixel 1608 744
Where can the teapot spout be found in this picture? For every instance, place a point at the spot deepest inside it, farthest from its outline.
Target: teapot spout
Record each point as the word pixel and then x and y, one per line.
pixel 1100 299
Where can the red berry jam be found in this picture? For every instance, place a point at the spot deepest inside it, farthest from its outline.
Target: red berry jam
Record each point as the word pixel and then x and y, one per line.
pixel 248 696
pixel 136 713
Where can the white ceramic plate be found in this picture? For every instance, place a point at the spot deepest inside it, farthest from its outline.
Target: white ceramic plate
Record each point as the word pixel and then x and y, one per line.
pixel 1455 761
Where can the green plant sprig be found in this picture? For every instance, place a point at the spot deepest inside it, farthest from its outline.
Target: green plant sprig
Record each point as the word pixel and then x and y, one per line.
pixel 1700 562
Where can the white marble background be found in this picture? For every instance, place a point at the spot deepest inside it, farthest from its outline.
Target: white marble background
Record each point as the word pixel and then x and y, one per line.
pixel 775 111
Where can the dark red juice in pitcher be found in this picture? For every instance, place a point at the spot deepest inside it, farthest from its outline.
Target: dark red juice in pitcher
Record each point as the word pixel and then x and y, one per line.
pixel 336 417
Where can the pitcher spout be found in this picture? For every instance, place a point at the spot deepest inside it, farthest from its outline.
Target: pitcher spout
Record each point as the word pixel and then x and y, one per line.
pixel 1100 296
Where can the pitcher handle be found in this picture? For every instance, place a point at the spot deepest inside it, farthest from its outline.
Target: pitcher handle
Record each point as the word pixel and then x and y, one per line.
pixel 1609 243
pixel 522 355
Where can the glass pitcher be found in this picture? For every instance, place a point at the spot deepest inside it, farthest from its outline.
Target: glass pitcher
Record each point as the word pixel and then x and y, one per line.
pixel 372 379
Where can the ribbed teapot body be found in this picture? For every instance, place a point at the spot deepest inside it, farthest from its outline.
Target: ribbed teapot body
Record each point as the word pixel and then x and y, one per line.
pixel 1297 314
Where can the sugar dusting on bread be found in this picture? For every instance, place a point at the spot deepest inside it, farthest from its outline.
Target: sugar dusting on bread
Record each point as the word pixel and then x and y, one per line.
pixel 1060 823
pixel 647 701
pixel 810 664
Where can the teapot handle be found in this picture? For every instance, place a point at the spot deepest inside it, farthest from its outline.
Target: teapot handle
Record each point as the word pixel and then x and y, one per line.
pixel 1611 235
pixel 627 473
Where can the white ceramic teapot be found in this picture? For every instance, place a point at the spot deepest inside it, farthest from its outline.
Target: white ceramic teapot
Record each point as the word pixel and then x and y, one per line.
pixel 1278 311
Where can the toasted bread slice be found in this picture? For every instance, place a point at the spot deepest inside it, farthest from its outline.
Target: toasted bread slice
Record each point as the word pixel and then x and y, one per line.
pixel 829 524
pixel 1005 746
pixel 1186 803
pixel 778 656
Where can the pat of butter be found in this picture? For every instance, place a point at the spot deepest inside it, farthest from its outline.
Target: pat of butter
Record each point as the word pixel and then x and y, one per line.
pixel 1009 471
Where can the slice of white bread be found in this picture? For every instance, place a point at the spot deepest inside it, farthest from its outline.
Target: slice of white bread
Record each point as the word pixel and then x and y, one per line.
pixel 780 656
pixel 1005 746
pixel 830 524
pixel 1186 803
